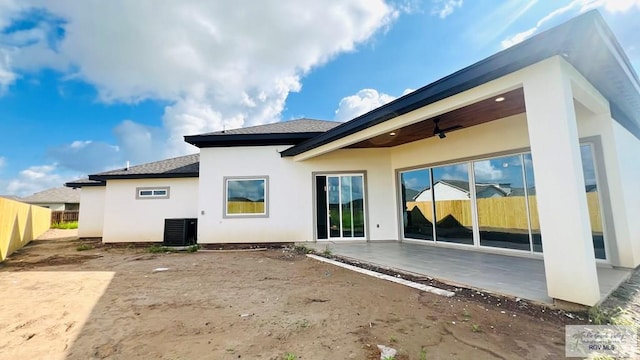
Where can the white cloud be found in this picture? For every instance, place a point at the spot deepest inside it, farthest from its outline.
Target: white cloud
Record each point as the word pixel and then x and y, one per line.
pixel 497 20
pixel 7 77
pixel 34 179
pixel 3 162
pixel 444 8
pixel 9 10
pixel 612 6
pixel 362 102
pixel 216 64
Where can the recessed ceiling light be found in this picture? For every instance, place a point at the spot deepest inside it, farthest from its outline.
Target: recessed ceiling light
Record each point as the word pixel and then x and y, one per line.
pixel 392 133
pixel 499 99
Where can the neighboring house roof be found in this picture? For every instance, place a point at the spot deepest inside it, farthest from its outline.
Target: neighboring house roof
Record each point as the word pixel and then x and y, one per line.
pixel 281 133
pixel 61 195
pixel 585 41
pixel 178 167
pixel 11 197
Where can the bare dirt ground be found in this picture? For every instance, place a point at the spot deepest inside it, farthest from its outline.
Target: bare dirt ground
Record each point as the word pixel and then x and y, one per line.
pixel 108 303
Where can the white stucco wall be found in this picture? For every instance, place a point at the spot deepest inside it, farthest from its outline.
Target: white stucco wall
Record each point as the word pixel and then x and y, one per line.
pixel 628 149
pixel 91 216
pixel 291 198
pixel 618 172
pixel 127 219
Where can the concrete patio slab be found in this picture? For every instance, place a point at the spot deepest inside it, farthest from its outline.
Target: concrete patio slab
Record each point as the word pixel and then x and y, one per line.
pixel 509 275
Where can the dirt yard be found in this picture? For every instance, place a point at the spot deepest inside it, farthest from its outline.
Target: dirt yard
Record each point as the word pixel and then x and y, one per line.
pixel 109 303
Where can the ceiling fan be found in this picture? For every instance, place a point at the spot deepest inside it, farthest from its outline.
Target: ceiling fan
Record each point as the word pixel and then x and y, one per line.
pixel 441 132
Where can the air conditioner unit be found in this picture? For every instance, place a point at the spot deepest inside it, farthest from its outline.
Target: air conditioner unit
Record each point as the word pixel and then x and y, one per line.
pixel 180 232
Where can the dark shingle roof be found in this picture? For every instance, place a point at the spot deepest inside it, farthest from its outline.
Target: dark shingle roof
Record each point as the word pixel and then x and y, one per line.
pixel 62 195
pixel 183 166
pixel 585 41
pixel 281 133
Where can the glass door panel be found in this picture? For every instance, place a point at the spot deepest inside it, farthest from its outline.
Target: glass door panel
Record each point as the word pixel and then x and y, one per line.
pixel 333 201
pixel 501 204
pixel 417 204
pixel 357 198
pixel 345 199
pixel 347 206
pixel 593 200
pixel 536 238
pixel 453 220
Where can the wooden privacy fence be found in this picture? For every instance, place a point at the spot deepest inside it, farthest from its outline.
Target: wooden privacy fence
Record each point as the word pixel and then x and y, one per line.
pixel 64 216
pixel 19 224
pixel 499 212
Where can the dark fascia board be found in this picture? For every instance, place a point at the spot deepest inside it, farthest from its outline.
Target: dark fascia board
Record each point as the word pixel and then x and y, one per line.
pixel 143 176
pixel 556 41
pixel 231 140
pixel 76 185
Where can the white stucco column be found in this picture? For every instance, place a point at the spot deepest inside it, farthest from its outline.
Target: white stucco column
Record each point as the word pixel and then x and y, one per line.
pixel 569 258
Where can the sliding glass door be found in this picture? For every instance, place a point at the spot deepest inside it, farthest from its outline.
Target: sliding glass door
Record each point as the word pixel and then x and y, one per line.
pixel 437 204
pixel 488 203
pixel 340 206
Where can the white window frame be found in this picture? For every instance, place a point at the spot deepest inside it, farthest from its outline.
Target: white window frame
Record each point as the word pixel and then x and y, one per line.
pixel 163 192
pixel 225 195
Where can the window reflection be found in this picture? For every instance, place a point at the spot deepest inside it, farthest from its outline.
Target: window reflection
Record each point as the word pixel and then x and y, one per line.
pixel 501 203
pixel 453 204
pixel 246 196
pixel 417 212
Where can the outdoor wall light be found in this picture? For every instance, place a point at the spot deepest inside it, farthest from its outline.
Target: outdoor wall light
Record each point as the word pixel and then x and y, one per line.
pixel 500 99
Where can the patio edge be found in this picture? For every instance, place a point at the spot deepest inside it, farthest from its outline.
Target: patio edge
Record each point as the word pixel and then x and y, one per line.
pixel 400 281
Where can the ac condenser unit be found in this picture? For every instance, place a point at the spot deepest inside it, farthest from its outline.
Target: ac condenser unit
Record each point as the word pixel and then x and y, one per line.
pixel 180 232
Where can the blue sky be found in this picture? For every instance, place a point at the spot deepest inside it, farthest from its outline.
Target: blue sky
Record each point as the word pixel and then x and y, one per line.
pixel 86 86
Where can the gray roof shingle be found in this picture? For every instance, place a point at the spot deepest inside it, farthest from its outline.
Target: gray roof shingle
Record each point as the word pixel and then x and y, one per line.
pixel 61 195
pixel 281 133
pixel 284 127
pixel 182 166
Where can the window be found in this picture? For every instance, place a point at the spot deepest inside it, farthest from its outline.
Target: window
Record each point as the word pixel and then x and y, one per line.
pixel 152 192
pixel 246 196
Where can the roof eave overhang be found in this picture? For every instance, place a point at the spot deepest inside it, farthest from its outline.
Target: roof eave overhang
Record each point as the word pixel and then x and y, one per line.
pixel 77 185
pixel 566 40
pixel 143 176
pixel 231 140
